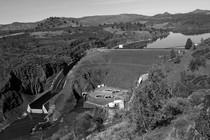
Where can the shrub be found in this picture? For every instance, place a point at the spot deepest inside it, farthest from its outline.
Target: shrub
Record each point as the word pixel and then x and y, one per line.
pixel 202 124
pixel 183 89
pixel 197 97
pixel 100 113
pixel 82 124
pixel 202 40
pixel 156 75
pixel 172 54
pixel 207 56
pixel 199 53
pixel 189 77
pixel 119 114
pixel 177 60
pixel 199 79
pixel 195 63
pixel 188 44
pixel 194 47
pixel 175 106
pixel 145 113
pixel 170 110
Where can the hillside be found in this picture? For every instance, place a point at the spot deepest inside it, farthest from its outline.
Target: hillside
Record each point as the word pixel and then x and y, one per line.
pixel 197 21
pixel 117 68
pixel 17 26
pixel 49 23
pixel 187 23
pixel 30 60
pixel 166 14
pixel 57 22
pixel 110 19
pixel 201 11
pixel 172 104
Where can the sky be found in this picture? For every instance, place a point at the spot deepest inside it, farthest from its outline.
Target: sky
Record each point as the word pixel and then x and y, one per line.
pixel 36 10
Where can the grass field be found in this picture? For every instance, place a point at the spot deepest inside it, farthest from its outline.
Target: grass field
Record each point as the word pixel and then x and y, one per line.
pixel 124 66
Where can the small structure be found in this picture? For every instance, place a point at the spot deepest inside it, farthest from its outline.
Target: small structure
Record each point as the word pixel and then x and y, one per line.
pixel 99 86
pixel 120 46
pixel 116 103
pixel 142 78
pixel 42 110
pixel 119 103
pixel 111 104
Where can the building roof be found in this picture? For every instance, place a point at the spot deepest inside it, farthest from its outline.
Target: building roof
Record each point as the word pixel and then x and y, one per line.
pixel 37 104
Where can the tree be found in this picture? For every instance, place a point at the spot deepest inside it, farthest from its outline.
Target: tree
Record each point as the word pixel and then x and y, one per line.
pixel 202 123
pixel 188 44
pixel 202 40
pixel 145 113
pixel 177 59
pixel 195 63
pixel 194 47
pixel 172 54
pixel 82 124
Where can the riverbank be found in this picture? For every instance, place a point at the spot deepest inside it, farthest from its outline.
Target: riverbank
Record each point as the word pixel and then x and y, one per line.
pixel 141 43
pixel 177 40
pixel 21 127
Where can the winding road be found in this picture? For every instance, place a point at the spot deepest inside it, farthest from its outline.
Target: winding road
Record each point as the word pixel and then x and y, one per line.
pixel 12 34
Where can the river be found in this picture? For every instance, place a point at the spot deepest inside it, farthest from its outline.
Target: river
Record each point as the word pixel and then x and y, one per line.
pixel 21 127
pixel 176 40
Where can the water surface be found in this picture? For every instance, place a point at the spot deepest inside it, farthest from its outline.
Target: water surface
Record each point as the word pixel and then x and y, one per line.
pixel 177 40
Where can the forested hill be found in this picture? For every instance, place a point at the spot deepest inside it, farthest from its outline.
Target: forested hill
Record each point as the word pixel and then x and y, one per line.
pixel 49 23
pixel 193 21
pixel 110 19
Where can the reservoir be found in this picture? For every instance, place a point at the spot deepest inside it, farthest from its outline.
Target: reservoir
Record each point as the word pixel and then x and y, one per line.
pixel 176 40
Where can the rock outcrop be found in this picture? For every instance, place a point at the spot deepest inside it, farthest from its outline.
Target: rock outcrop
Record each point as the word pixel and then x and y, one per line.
pixel 29 79
pixel 87 79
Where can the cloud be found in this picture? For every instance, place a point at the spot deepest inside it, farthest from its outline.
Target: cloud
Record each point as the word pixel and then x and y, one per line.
pixel 107 2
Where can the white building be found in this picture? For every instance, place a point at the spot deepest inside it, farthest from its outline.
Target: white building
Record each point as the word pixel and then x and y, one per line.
pixel 121 46
pixel 111 104
pixel 41 105
pixel 42 110
pixel 117 103
pixel 120 104
pixel 142 78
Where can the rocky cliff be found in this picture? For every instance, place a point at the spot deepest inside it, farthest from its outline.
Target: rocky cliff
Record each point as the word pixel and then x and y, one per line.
pixel 29 79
